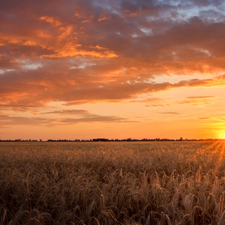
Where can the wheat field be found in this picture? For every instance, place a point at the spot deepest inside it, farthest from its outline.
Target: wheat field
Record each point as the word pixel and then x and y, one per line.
pixel 112 183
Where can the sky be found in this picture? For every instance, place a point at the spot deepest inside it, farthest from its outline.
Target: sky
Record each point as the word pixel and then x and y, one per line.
pixel 82 69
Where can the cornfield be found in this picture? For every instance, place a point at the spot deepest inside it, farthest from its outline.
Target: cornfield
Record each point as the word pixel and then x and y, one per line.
pixel 168 183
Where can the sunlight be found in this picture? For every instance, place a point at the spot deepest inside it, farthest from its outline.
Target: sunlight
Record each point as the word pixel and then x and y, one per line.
pixel 221 135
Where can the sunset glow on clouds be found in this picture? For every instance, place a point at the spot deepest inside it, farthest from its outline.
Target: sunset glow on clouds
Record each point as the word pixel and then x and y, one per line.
pixel 114 69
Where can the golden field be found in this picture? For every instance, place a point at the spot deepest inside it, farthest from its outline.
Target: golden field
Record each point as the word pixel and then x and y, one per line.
pixel 112 183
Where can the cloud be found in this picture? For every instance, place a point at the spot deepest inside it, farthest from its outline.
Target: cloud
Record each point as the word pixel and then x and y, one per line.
pixel 85 116
pixel 95 118
pixel 213 119
pixel 155 105
pixel 6 62
pixel 198 100
pixel 204 118
pixel 19 88
pixel 104 18
pixel 201 97
pixel 151 102
pixel 78 116
pixel 51 20
pixel 148 100
pixel 8 121
pixel 86 51
pixel 169 113
pixel 68 112
pixel 18 107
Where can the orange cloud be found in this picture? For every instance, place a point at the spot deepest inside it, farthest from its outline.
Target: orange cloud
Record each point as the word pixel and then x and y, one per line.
pixel 30 43
pixel 108 59
pixel 86 21
pixel 51 20
pixel 70 50
pixel 104 18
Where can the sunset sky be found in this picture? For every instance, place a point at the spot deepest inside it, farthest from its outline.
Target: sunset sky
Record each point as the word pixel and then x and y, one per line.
pixel 112 69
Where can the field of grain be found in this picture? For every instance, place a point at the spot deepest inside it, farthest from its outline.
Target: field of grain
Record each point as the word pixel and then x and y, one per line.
pixel 112 183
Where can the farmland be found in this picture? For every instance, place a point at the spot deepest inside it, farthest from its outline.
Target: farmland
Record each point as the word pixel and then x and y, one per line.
pixel 112 183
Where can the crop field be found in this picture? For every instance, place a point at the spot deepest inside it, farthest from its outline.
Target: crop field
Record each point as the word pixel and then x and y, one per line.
pixel 112 183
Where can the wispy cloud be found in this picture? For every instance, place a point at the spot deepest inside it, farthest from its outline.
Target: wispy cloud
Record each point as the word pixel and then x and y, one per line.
pixel 95 118
pixel 68 112
pixel 213 119
pixel 169 113
pixel 79 116
pixel 85 116
pixel 201 97
pixel 198 100
pixel 8 121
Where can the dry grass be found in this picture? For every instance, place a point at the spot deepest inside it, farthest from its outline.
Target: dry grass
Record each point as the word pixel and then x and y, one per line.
pixel 112 183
